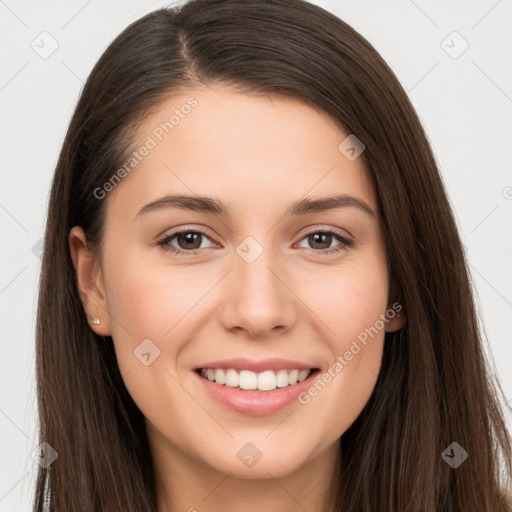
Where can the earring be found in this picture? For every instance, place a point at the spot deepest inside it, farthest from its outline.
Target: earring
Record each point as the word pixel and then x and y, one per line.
pixel 94 321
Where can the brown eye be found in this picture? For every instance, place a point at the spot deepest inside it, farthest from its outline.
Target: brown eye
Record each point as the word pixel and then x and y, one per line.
pixel 320 242
pixel 187 242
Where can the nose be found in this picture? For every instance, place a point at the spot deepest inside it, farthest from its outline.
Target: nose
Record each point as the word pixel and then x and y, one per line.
pixel 258 297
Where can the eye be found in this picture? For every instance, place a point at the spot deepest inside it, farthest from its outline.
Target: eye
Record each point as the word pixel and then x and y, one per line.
pixel 324 238
pixel 190 242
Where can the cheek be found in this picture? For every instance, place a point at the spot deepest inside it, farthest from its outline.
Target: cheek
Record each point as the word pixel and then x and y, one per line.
pixel 148 300
pixel 347 300
pixel 349 309
pixel 145 302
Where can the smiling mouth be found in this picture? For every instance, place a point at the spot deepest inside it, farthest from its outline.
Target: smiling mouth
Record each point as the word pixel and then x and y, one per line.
pixel 266 380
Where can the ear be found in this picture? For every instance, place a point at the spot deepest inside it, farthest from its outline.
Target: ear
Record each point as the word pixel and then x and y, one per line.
pixel 89 280
pixel 397 317
pixel 395 314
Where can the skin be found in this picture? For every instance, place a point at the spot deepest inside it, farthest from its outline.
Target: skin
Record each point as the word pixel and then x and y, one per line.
pixel 258 154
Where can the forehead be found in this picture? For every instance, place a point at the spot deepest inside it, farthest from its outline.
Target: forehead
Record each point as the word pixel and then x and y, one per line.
pixel 252 150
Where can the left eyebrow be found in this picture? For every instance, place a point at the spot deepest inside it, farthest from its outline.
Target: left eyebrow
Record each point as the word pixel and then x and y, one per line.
pixel 305 206
pixel 215 206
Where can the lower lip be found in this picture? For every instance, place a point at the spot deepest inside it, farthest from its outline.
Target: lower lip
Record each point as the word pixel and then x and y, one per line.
pixel 256 403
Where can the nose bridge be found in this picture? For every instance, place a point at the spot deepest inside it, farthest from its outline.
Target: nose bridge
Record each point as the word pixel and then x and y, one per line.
pixel 257 299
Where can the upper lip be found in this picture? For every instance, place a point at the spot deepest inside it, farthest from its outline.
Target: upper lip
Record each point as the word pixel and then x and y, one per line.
pixel 241 363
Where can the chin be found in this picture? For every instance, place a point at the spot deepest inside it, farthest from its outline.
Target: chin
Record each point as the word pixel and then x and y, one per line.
pixel 249 462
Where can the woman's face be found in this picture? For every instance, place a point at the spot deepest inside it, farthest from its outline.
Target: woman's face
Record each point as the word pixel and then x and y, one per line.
pixel 252 287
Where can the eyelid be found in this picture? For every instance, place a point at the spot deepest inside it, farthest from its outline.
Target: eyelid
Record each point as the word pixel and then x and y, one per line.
pixel 196 228
pixel 319 227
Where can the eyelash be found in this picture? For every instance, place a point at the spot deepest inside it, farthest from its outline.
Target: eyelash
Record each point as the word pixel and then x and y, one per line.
pixel 344 243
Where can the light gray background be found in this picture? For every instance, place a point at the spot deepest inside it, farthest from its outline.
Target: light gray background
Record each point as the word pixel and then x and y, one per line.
pixel 465 104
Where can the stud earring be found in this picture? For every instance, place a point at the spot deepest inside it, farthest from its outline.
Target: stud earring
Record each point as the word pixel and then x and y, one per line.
pixel 94 321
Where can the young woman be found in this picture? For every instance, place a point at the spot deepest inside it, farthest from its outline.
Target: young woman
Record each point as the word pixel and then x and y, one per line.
pixel 253 292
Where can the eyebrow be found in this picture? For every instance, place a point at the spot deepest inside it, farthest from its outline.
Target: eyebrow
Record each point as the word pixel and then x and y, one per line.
pixel 214 206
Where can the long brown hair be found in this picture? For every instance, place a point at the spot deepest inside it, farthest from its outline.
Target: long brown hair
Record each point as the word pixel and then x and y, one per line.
pixel 435 385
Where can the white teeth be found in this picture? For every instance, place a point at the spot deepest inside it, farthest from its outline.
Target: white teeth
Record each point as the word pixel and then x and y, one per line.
pixel 219 377
pixel 231 378
pixel 282 379
pixel 247 379
pixel 302 375
pixel 266 380
pixel 292 376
